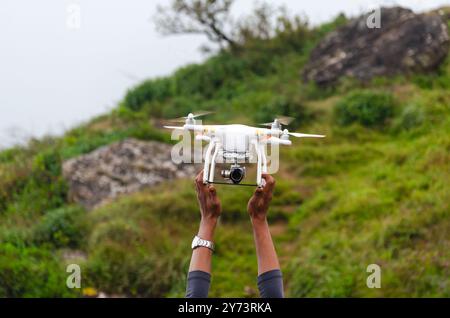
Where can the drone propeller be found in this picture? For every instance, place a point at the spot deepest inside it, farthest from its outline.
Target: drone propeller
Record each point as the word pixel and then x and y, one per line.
pixel 284 120
pixel 300 135
pixel 191 116
pixel 174 127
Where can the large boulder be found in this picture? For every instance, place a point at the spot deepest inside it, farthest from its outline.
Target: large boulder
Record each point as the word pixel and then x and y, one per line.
pixel 120 168
pixel 405 43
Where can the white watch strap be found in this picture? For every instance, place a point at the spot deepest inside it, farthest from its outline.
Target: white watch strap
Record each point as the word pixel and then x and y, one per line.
pixel 198 241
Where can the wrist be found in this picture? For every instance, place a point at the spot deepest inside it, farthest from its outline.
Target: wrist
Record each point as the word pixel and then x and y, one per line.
pixel 207 228
pixel 259 221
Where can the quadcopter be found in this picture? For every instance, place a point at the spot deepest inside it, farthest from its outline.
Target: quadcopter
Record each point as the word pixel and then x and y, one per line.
pixel 234 143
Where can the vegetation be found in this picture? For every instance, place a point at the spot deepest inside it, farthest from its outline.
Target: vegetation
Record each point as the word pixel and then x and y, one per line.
pixel 366 108
pixel 374 191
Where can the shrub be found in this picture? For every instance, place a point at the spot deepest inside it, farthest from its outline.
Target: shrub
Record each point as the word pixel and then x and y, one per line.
pixel 180 105
pixel 13 177
pixel 125 232
pixel 150 90
pixel 144 131
pixel 46 188
pixel 43 187
pixel 64 227
pixel 207 79
pixel 438 79
pixel 144 273
pixel 47 164
pixel 31 272
pixel 323 29
pixel 9 155
pixel 17 236
pixel 129 259
pixel 284 106
pixel 82 141
pixel 411 117
pixel 367 108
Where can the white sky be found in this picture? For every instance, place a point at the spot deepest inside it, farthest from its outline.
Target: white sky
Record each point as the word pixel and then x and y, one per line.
pixel 53 77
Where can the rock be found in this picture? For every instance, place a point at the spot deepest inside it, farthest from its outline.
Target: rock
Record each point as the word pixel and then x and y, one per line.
pixel 406 43
pixel 120 168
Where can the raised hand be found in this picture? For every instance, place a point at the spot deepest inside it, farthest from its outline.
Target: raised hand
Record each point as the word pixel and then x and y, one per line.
pixel 210 207
pixel 258 205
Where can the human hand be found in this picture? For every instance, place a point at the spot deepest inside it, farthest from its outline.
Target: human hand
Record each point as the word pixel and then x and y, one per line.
pixel 258 204
pixel 210 207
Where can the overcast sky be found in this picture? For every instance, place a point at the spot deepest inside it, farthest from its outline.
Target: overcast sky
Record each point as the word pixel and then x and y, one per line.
pixel 56 73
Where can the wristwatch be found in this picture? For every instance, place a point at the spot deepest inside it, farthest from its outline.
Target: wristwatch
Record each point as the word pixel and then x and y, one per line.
pixel 197 242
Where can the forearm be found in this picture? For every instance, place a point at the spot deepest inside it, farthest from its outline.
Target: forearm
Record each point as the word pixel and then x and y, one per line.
pixel 201 256
pixel 199 275
pixel 265 250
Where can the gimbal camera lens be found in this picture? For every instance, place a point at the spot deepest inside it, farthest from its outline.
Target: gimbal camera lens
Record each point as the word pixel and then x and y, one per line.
pixel 235 174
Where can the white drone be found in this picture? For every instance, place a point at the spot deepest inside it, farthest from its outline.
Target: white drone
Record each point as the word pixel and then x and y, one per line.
pixel 234 144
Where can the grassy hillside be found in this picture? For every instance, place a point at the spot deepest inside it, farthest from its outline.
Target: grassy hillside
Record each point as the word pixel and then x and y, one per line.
pixel 374 191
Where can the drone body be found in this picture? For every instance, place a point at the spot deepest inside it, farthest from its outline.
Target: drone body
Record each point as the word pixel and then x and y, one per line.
pixel 235 143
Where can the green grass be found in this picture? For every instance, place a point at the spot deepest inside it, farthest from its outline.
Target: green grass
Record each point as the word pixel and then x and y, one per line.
pixel 388 205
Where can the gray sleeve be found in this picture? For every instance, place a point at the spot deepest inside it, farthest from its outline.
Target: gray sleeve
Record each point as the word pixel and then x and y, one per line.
pixel 198 284
pixel 270 284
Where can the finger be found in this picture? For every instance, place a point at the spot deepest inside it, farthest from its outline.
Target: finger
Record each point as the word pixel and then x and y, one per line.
pixel 212 190
pixel 270 183
pixel 199 182
pixel 258 191
pixel 199 177
pixel 197 188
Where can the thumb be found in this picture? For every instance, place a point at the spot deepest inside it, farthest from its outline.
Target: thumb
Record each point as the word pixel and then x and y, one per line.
pixel 212 190
pixel 259 191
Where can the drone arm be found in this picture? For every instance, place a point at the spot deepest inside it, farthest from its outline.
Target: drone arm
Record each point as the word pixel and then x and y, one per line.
pixel 203 138
pixel 193 127
pixel 279 141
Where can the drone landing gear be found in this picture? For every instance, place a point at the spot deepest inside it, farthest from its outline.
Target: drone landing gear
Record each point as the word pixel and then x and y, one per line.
pixel 235 184
pixel 261 164
pixel 207 171
pixel 210 164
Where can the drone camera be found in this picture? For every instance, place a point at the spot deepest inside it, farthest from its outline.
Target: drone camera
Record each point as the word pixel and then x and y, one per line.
pixel 235 174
